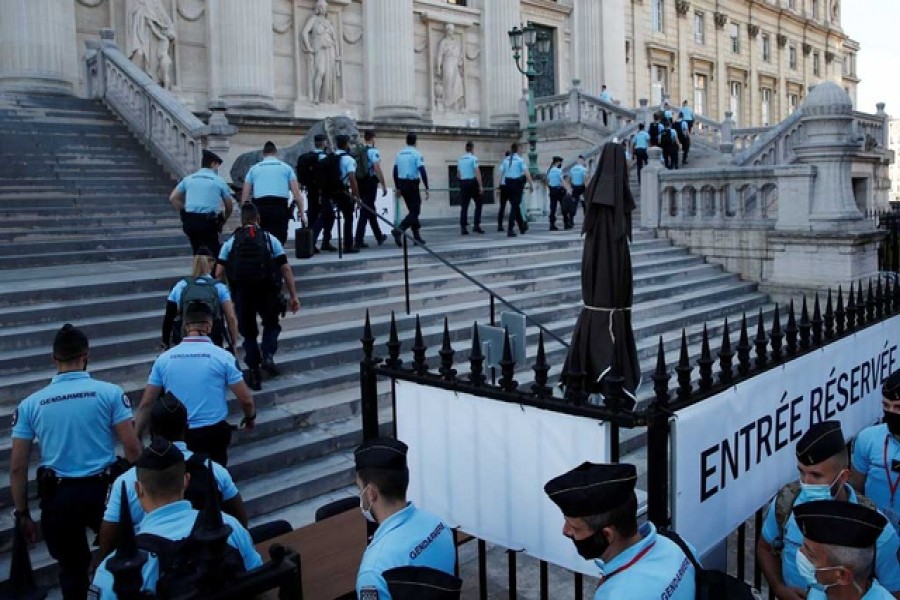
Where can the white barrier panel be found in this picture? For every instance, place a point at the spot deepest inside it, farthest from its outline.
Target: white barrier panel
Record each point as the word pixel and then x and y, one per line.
pixel 732 452
pixel 481 465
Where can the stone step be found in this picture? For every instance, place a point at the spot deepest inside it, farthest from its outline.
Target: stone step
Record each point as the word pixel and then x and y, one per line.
pixel 57 258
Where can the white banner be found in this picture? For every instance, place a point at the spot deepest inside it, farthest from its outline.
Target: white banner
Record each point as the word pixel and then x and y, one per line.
pixel 732 452
pixel 481 465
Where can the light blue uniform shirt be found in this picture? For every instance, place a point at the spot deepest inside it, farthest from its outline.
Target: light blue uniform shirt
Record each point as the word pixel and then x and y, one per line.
pixel 515 168
pixel 466 166
pixel 199 373
pixel 348 165
pixel 410 537
pixel 577 174
pixel 204 192
pixel 667 114
pixel 555 177
pixel 868 459
pixel 687 113
pixel 221 288
pixel 605 96
pixel 74 418
pixel 684 127
pixel 374 159
pixel 275 245
pixel 641 140
pixel 271 177
pixel 663 572
pixel 875 592
pixel 887 568
pixel 173 521
pixel 114 506
pixel 408 162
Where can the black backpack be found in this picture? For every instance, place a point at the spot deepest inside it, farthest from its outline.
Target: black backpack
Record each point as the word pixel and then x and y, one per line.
pixel 306 168
pixel 712 584
pixel 252 259
pixel 328 175
pixel 196 493
pixel 181 568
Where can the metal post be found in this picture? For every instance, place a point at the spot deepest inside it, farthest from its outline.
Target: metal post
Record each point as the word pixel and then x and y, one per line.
pixel 493 314
pixel 368 388
pixel 512 574
pixel 406 272
pixel 579 586
pixel 482 570
pixel 544 584
pixel 741 551
pixel 658 468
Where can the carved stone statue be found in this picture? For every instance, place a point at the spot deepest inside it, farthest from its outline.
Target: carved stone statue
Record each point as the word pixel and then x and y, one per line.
pixel 151 38
pixel 448 68
pixel 330 128
pixel 320 41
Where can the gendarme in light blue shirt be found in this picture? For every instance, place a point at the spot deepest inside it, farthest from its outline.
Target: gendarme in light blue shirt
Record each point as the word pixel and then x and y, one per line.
pixel 271 177
pixel 204 191
pixel 348 165
pixel 869 451
pixel 174 522
pixel 466 166
pixel 74 418
pixel 662 572
pixel 887 568
pixel 641 140
pixel 374 159
pixel 410 537
pixel 555 177
pixel 875 592
pixel 221 288
pixel 515 168
pixel 274 244
pixel 687 113
pixel 114 506
pixel 408 162
pixel 199 373
pixel 577 174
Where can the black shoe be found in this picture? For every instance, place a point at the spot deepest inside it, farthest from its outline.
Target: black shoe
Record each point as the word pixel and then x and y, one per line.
pixel 464 231
pixel 316 250
pixel 478 230
pixel 500 228
pixel 361 245
pixel 419 240
pixel 253 379
pixel 351 250
pixel 524 228
pixel 511 234
pixel 398 235
pixel 268 364
pixel 381 239
pixel 327 247
pixel 554 227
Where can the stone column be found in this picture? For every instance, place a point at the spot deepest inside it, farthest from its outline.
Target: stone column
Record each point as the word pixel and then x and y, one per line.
pixel 390 38
pixel 503 83
pixel 37 46
pixel 242 50
pixel 587 53
pixel 613 54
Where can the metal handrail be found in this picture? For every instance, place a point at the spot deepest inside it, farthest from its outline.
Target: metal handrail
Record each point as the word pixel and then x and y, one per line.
pixel 438 257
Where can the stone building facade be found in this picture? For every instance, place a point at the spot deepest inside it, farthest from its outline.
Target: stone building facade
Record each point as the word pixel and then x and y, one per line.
pixel 756 59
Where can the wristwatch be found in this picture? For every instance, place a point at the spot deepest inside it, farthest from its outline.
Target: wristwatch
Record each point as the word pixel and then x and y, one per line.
pixel 246 420
pixel 17 514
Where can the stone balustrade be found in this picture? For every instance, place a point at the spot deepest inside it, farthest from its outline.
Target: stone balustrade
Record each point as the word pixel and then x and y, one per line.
pixel 872 129
pixel 169 130
pixel 578 107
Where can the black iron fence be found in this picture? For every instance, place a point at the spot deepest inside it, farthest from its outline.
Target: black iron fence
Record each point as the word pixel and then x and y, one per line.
pixel 788 334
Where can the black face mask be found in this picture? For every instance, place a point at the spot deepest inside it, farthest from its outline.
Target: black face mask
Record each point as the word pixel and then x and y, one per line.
pixel 592 546
pixel 892 420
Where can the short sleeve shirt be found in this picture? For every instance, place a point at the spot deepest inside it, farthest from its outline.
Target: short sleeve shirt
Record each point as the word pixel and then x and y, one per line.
pixel 275 245
pixel 516 168
pixel 410 537
pixel 577 174
pixel 374 159
pixel 271 177
pixel 408 162
pixel 114 505
pixel 174 522
pixel 199 373
pixel 641 140
pixel 555 177
pixel 221 288
pixel 466 166
pixel 873 445
pixel 348 165
pixel 74 418
pixel 204 192
pixel 687 113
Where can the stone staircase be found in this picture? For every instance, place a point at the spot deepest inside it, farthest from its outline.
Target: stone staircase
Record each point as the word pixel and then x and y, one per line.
pixel 107 248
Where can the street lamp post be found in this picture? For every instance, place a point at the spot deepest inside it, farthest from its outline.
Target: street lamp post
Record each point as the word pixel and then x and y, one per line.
pixel 538 46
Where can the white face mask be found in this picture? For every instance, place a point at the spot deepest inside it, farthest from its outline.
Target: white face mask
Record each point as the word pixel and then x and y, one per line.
pixel 366 512
pixel 807 571
pixel 819 491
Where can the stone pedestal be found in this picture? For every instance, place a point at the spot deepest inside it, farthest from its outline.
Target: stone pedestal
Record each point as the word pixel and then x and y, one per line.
pixel 650 189
pixel 503 86
pixel 537 201
pixel 391 62
pixel 241 48
pixel 37 39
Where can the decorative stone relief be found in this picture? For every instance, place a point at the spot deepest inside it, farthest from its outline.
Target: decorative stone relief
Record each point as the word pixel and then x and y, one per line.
pixel 151 39
pixel 449 91
pixel 682 7
pixel 829 57
pixel 720 19
pixel 190 10
pixel 753 30
pixel 319 40
pixel 835 11
pixel 807 48
pixel 782 40
pixel 90 3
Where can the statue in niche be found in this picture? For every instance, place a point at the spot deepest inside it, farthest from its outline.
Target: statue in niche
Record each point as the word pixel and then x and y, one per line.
pixel 448 68
pixel 320 41
pixel 151 39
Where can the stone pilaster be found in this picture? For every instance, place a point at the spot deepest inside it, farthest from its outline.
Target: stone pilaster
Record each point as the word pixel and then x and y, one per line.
pixel 613 54
pixel 242 65
pixel 587 49
pixel 390 60
pixel 37 39
pixel 504 84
